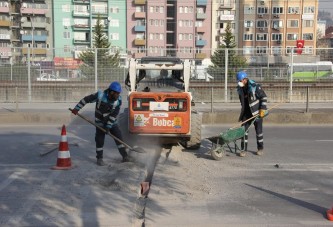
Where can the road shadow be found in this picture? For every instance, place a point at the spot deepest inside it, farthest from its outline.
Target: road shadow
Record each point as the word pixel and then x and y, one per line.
pixel 301 203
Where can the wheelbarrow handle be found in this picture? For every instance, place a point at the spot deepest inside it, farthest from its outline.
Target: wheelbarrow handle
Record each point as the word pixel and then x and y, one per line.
pixel 255 116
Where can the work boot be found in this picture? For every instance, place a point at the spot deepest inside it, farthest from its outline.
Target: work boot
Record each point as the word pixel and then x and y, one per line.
pixel 127 158
pixel 260 152
pixel 242 154
pixel 100 162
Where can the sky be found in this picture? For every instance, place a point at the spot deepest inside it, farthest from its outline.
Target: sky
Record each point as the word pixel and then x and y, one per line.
pixel 327 5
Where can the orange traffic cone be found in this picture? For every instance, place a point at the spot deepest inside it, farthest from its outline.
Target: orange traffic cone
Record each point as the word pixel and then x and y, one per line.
pixel 329 214
pixel 64 157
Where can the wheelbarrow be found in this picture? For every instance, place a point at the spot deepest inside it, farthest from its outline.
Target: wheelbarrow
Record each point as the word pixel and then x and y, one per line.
pixel 221 143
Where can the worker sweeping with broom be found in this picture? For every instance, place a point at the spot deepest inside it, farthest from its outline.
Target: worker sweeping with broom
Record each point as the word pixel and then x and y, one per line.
pixel 253 102
pixel 108 103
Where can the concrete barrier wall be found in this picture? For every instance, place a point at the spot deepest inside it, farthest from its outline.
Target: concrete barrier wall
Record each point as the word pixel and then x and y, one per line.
pixel 227 117
pixel 74 92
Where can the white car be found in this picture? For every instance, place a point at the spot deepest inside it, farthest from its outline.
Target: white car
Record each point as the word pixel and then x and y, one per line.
pixel 50 77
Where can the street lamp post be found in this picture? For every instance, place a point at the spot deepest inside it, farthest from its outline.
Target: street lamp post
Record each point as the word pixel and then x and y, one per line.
pixel 32 38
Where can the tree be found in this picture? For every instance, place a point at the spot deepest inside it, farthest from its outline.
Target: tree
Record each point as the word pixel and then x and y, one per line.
pixel 235 62
pixel 106 61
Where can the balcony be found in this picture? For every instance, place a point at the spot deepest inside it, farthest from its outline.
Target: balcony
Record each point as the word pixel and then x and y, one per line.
pixel 38 38
pixel 4 36
pixel 227 17
pixel 4 9
pixel 200 55
pixel 139 2
pixel 35 51
pixel 139 28
pixel 201 16
pixel 81 2
pixel 27 24
pixel 4 23
pixel 200 42
pixel 201 2
pixel 81 27
pixel 140 42
pixel 6 52
pixel 35 11
pixel 226 5
pixel 80 14
pixel 200 29
pixel 81 41
pixel 139 15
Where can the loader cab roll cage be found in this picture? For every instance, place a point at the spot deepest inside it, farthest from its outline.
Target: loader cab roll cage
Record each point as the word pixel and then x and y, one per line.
pixel 139 68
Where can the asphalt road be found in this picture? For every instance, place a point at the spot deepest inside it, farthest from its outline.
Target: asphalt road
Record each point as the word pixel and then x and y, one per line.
pixel 188 188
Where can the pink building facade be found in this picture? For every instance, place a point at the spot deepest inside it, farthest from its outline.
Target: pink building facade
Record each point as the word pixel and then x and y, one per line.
pixel 169 28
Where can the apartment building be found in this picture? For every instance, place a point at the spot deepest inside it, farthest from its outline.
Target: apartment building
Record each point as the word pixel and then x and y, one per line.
pixel 169 28
pixel 272 27
pixel 74 22
pixel 23 25
pixel 224 12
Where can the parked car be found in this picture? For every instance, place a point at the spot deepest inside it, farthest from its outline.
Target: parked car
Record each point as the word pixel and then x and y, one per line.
pixel 50 77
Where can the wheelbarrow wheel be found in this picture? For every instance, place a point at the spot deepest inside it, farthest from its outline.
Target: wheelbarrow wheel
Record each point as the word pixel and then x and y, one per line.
pixel 217 153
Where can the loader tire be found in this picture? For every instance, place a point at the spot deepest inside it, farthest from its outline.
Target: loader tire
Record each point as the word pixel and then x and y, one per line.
pixel 195 141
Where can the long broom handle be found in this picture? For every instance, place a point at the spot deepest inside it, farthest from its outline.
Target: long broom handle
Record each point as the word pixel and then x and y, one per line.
pixel 239 124
pixel 103 130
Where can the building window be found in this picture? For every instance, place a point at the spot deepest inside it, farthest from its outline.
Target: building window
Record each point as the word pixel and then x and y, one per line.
pixel 66 8
pixel 308 50
pixel 114 10
pixel 161 9
pixel 262 10
pixel 180 36
pixel 180 9
pixel 114 36
pixel 308 36
pixel 308 23
pixel 67 48
pixel 138 35
pixel 262 37
pixel 249 10
pixel 248 24
pixel 276 36
pixel 262 23
pixel 261 50
pixel 276 24
pixel 277 10
pixel 157 9
pixel 248 50
pixel 151 36
pixel 309 9
pixel 66 22
pixel 67 35
pixel 276 50
pixel 139 9
pixel 151 9
pixel 114 23
pixel 292 23
pixel 180 23
pixel 292 36
pixel 293 10
pixel 248 37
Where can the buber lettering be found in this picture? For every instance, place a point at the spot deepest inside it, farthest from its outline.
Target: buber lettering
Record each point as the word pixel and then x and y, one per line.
pixel 162 122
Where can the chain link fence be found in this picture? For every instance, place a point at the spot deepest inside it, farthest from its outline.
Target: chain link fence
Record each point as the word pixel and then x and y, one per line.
pixel 29 75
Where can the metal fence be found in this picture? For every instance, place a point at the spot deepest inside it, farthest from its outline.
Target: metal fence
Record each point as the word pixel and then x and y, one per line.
pixel 30 75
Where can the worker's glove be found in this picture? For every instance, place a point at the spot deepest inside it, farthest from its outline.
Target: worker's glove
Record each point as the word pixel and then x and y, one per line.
pixel 75 111
pixel 263 113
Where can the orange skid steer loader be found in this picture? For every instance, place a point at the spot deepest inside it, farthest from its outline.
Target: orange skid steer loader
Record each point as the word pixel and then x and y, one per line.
pixel 163 110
